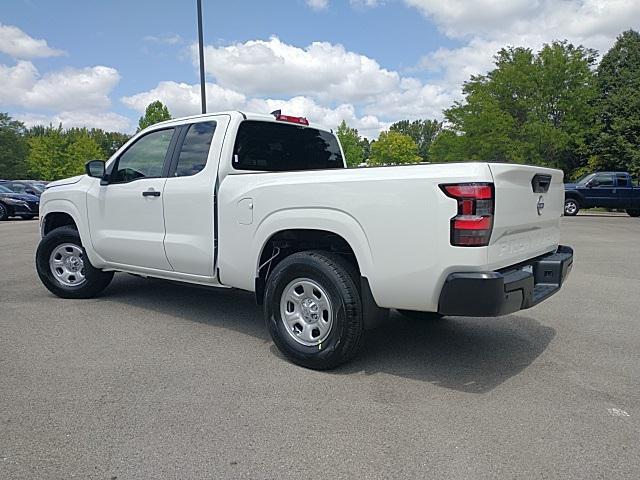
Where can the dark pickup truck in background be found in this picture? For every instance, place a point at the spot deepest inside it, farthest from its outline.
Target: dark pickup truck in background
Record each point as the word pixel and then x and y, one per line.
pixel 603 189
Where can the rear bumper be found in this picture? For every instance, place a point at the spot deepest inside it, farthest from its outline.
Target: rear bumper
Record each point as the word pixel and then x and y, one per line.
pixel 491 294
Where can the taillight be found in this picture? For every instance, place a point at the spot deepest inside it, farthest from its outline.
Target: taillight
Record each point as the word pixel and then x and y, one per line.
pixel 472 226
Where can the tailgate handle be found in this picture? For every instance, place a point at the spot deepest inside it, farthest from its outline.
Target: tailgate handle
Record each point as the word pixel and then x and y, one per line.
pixel 541 183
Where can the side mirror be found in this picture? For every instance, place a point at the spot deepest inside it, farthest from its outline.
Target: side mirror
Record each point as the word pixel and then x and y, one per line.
pixel 95 168
pixel 30 192
pixel 593 183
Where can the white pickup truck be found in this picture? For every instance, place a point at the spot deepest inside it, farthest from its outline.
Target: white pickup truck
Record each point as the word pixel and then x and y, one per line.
pixel 264 203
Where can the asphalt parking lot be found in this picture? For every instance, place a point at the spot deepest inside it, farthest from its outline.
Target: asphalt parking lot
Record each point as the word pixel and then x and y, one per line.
pixel 157 380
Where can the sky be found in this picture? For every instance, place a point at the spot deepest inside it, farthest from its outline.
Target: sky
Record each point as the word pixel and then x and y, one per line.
pixel 99 63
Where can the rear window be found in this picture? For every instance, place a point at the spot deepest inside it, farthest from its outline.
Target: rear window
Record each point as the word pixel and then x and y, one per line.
pixel 623 181
pixel 276 147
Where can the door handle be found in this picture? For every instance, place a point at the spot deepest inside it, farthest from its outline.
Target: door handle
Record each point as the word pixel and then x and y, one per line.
pixel 150 193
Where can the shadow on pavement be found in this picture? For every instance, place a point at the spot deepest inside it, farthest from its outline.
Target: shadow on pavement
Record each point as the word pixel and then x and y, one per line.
pixel 472 355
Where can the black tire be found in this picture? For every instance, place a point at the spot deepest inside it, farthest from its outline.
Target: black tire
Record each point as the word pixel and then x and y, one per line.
pixel 421 316
pixel 27 217
pixel 4 212
pixel 95 280
pixel 633 213
pixel 339 280
pixel 571 207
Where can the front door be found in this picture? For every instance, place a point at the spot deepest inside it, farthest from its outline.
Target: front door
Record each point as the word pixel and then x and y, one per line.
pixel 126 216
pixel 601 191
pixel 189 197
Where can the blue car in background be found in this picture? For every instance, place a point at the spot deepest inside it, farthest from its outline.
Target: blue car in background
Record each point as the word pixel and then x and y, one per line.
pixel 24 186
pixel 603 189
pixel 18 204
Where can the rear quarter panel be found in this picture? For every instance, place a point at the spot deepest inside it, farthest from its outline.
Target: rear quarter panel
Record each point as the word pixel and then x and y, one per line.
pixel 396 219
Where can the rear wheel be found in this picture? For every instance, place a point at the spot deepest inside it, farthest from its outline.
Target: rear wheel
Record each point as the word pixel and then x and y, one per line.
pixel 4 212
pixel 313 309
pixel 64 268
pixel 633 213
pixel 571 207
pixel 422 316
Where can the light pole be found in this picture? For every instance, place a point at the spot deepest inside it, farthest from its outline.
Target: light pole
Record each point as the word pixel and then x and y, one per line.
pixel 203 93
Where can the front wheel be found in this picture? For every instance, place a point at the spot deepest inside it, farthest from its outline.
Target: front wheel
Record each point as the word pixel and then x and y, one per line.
pixel 633 213
pixel 64 268
pixel 4 212
pixel 571 207
pixel 313 309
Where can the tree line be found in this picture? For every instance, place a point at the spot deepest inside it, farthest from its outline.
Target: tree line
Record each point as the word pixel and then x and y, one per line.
pixel 52 152
pixel 553 107
pixel 556 107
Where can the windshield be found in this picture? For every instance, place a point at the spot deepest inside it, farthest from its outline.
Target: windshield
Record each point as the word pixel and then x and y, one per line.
pixel 4 190
pixel 585 179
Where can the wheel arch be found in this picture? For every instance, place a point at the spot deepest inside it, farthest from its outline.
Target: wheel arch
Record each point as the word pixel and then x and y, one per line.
pixel 55 220
pixel 8 208
pixel 309 229
pixel 60 212
pixel 572 195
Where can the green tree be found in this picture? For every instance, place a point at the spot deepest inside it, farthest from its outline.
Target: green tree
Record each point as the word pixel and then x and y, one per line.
pixel 366 148
pixel 155 112
pixel 532 108
pixel 617 139
pixel 55 153
pixel 108 142
pixel 13 148
pixel 47 154
pixel 79 151
pixel 393 148
pixel 422 131
pixel 351 144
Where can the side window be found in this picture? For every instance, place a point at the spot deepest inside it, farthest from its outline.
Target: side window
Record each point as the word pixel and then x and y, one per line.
pixel 18 187
pixel 623 181
pixel 195 149
pixel 604 180
pixel 145 158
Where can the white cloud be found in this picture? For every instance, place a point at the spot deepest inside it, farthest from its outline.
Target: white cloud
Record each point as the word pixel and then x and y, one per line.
pixel 164 39
pixel 17 44
pixel 368 125
pixel 318 4
pixel 321 70
pixel 411 101
pixel 184 99
pixel 328 84
pixel 485 26
pixel 68 89
pixel 366 3
pixel 457 18
pixel 109 121
pixel 594 21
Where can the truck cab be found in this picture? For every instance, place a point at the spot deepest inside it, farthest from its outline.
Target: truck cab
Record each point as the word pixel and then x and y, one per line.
pixel 605 190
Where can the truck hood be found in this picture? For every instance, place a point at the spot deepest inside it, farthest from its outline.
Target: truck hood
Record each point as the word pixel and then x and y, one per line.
pixel 65 181
pixel 570 186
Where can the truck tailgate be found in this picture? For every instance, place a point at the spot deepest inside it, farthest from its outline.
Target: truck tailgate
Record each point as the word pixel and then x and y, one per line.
pixel 528 206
